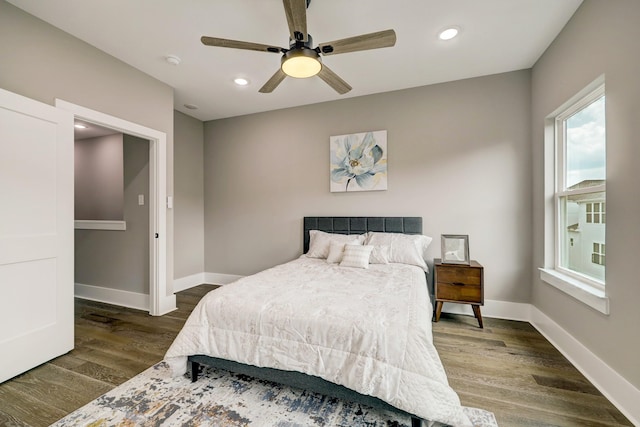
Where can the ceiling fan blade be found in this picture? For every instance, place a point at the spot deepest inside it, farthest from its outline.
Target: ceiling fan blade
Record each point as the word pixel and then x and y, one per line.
pixel 236 44
pixel 273 82
pixel 296 11
pixel 333 80
pixel 376 40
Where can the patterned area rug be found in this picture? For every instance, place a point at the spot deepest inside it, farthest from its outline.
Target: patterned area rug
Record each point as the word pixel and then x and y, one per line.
pixel 222 398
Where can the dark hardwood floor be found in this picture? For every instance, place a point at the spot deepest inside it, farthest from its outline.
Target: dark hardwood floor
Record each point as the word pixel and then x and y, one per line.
pixel 507 368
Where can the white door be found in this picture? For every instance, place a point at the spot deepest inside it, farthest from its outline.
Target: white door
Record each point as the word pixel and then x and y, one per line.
pixel 36 233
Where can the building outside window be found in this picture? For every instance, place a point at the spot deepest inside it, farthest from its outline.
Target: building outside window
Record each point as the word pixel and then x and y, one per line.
pixel 597 257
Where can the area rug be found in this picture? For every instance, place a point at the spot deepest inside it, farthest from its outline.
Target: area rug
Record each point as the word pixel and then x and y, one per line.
pixel 221 398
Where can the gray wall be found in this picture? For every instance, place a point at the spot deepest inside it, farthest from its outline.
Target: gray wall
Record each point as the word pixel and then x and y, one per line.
pixel 99 188
pixel 601 38
pixel 189 195
pixel 120 259
pixel 44 63
pixel 458 155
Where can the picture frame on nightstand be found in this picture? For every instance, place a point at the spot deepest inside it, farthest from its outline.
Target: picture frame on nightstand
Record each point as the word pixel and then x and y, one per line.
pixel 455 249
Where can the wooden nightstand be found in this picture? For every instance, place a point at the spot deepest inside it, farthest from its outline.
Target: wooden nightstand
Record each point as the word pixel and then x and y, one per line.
pixel 459 283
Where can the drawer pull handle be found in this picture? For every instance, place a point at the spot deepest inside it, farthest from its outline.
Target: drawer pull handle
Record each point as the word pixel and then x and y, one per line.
pixel 457 283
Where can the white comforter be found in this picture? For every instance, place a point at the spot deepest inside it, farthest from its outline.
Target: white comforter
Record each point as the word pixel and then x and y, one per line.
pixel 368 330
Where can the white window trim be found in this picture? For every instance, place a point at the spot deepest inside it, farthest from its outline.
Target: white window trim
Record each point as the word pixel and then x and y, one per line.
pixel 579 289
pixel 588 291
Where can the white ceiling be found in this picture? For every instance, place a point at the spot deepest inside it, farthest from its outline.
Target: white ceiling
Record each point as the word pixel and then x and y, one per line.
pixel 91 130
pixel 497 36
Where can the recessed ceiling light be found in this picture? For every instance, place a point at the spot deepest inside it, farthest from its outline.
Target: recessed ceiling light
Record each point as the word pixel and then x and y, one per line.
pixel 191 106
pixel 172 59
pixel 448 33
pixel 79 126
pixel 241 81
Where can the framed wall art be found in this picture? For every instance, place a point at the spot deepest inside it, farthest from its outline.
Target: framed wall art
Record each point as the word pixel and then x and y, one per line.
pixel 358 162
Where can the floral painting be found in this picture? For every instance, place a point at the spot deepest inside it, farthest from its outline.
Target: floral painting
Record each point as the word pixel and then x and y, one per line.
pixel 359 162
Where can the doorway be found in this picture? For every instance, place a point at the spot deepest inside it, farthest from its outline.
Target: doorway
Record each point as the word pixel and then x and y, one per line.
pixel 159 301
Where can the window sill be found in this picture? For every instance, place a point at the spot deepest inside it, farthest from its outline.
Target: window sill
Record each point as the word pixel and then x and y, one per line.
pixel 581 291
pixel 88 224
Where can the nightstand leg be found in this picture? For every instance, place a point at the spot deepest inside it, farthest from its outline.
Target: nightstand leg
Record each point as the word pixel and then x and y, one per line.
pixel 476 312
pixel 438 309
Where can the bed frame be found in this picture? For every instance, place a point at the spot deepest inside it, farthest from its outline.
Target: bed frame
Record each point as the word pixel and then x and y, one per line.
pixel 341 225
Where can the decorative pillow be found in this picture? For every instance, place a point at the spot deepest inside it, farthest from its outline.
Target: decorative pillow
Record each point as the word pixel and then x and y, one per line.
pixel 380 255
pixel 356 256
pixel 336 251
pixel 319 242
pixel 404 248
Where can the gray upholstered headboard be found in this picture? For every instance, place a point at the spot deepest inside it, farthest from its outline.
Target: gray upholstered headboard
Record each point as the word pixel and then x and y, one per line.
pixel 361 224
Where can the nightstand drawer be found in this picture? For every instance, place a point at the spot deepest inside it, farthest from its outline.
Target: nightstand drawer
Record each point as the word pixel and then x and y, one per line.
pixel 465 275
pixel 459 291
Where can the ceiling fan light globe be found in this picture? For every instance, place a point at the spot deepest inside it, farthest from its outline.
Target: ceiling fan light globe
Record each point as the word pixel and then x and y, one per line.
pixel 301 63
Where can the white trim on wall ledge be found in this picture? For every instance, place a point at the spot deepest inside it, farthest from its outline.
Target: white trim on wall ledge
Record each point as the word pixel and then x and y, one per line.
pixel 584 293
pixel 112 296
pixel 93 224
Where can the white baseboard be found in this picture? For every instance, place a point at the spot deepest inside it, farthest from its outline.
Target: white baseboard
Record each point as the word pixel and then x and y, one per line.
pixel 220 279
pixel 188 282
pixel 615 387
pixel 112 296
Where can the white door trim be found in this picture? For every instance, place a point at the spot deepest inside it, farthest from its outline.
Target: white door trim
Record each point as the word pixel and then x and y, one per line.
pixel 160 302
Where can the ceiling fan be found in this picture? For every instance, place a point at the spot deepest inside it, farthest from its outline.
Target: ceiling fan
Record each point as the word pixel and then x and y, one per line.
pixel 302 60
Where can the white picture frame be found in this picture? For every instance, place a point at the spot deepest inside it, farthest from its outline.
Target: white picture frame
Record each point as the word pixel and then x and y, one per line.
pixel 455 249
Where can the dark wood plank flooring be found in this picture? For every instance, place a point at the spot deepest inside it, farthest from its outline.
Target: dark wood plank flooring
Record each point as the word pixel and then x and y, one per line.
pixel 507 368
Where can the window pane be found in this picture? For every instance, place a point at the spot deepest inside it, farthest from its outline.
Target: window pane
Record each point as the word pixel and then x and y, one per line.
pixel 580 247
pixel 585 146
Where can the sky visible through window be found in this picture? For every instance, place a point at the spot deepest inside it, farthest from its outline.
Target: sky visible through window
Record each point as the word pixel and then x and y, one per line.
pixel 586 144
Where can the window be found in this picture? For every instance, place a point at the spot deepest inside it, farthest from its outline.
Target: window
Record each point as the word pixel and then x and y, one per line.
pixel 596 213
pixel 575 185
pixel 597 257
pixel 580 192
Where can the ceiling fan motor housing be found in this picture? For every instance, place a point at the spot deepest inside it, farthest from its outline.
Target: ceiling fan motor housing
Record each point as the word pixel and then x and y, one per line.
pixel 295 44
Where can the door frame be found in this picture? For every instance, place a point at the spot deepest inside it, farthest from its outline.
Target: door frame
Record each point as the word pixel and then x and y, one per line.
pixel 160 301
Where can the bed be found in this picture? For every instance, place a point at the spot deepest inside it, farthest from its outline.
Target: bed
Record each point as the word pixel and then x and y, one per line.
pixel 359 334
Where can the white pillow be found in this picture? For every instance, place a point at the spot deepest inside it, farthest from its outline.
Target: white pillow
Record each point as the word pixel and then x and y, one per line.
pixel 380 255
pixel 404 248
pixel 336 250
pixel 320 242
pixel 356 256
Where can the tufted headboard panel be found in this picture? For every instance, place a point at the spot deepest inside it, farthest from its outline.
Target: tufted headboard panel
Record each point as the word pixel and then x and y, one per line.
pixel 360 225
